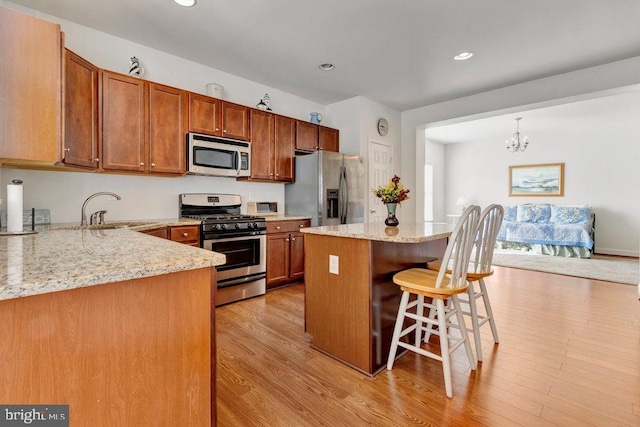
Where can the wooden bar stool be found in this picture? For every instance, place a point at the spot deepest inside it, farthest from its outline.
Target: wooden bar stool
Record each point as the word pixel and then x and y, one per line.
pixel 480 266
pixel 443 288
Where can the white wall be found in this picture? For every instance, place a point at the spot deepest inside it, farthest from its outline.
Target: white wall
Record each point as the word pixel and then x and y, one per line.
pixel 143 197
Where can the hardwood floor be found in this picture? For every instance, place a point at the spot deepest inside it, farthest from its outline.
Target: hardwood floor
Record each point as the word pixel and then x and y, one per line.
pixel 569 354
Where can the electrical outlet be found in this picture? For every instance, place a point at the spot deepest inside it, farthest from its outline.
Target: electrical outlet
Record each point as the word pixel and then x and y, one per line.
pixel 334 266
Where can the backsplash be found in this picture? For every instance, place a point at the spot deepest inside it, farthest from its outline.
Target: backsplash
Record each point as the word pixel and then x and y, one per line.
pixel 63 193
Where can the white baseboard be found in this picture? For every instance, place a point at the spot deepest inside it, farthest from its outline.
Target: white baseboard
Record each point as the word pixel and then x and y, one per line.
pixel 614 251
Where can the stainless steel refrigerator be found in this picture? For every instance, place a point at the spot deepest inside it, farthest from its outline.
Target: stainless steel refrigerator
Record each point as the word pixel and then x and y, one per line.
pixel 329 188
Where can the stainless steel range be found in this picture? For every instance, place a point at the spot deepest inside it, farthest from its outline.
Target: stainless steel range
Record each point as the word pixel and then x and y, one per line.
pixel 241 238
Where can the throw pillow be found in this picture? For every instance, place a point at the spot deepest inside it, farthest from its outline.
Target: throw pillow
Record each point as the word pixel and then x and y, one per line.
pixel 570 214
pixel 534 213
pixel 510 213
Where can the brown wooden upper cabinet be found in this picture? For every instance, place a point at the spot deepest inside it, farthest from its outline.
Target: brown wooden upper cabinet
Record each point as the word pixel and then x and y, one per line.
pixel 328 139
pixel 285 141
pixel 311 137
pixel 122 142
pixel 167 111
pixel 142 125
pixel 30 88
pixel 80 145
pixel 306 136
pixel 272 147
pixel 212 116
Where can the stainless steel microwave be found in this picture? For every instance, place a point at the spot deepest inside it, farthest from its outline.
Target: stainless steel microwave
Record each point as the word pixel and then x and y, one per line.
pixel 208 155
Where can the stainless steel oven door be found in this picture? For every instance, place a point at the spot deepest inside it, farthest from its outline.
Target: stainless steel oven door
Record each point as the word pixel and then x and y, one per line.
pixel 246 258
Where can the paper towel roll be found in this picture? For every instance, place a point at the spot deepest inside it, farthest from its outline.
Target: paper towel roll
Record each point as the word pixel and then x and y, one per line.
pixel 14 206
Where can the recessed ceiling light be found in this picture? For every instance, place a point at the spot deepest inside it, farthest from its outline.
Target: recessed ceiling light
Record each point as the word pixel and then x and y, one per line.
pixel 186 3
pixel 327 67
pixel 463 56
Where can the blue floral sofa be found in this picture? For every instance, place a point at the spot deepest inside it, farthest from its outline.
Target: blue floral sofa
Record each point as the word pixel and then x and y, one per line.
pixel 548 229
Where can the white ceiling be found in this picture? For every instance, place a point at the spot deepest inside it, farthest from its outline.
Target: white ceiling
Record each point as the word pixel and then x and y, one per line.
pixel 395 52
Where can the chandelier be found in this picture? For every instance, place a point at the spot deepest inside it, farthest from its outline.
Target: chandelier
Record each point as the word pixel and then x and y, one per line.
pixel 517 144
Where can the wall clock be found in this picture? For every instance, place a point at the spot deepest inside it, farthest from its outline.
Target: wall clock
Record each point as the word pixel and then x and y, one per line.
pixel 383 126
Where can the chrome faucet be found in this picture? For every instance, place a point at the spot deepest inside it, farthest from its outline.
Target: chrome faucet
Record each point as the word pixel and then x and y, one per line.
pixel 83 221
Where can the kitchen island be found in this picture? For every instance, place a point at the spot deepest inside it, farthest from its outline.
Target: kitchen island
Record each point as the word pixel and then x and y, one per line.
pixel 117 324
pixel 351 302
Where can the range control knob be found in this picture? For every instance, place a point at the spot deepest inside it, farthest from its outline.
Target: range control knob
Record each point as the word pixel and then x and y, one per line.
pixel 249 225
pixel 255 225
pixel 223 226
pixel 237 226
pixel 216 226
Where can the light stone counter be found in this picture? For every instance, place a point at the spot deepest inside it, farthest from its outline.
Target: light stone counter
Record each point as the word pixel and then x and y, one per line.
pixel 286 217
pixel 406 232
pixel 62 259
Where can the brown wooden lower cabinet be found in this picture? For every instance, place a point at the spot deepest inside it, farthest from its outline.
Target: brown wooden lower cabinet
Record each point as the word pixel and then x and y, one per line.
pixel 157 232
pixel 285 252
pixel 351 315
pixel 187 234
pixel 132 353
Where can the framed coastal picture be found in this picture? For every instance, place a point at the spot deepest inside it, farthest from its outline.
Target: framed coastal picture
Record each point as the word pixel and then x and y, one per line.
pixel 537 180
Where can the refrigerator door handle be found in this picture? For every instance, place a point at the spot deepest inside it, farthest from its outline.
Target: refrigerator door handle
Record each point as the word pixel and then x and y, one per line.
pixel 343 195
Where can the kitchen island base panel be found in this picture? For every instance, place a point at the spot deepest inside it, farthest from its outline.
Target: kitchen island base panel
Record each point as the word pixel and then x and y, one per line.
pixel 136 352
pixel 351 315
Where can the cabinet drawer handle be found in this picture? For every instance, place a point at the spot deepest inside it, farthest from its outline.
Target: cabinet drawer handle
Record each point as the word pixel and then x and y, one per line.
pixel 185 234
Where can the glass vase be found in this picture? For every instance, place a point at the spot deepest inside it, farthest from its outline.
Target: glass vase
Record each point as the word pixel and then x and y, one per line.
pixel 391 220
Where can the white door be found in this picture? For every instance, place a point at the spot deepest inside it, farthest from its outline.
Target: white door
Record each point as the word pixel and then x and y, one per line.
pixel 380 167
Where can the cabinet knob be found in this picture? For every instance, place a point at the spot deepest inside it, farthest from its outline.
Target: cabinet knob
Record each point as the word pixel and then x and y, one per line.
pixel 286 240
pixel 185 234
pixel 293 239
pixel 224 131
pixel 153 165
pixel 141 163
pixel 277 227
pixel 217 129
pixel 67 149
pixel 301 226
pixel 96 160
pixel 277 174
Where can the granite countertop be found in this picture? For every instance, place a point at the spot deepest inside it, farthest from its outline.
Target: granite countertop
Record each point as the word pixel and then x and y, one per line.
pixel 406 232
pixel 60 259
pixel 286 217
